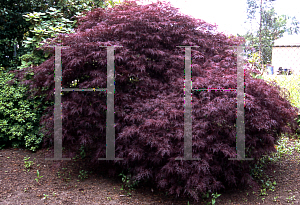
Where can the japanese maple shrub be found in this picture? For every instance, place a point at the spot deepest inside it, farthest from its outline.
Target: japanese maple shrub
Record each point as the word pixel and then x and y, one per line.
pixel 149 99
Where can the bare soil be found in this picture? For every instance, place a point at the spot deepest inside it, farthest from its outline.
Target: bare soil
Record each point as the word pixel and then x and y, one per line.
pixel 61 184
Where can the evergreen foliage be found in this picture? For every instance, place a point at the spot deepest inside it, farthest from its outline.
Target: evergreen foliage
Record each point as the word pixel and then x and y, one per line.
pixel 25 23
pixel 19 116
pixel 149 99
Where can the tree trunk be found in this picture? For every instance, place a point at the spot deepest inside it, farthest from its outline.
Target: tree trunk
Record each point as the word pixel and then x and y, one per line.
pixel 260 25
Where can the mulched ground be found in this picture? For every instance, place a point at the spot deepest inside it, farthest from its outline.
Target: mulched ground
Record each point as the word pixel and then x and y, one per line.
pixel 20 187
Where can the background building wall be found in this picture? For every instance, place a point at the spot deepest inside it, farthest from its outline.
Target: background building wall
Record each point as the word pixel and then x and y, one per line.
pixel 287 57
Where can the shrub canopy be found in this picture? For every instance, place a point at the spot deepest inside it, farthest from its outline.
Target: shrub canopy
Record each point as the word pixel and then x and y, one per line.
pixel 149 98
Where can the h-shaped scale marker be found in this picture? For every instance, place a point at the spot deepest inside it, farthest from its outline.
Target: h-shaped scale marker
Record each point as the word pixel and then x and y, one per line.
pixel 110 129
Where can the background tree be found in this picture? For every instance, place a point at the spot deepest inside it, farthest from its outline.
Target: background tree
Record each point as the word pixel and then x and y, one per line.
pixel 260 39
pixel 19 35
pixel 12 29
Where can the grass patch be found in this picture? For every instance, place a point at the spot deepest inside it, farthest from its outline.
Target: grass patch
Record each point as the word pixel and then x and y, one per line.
pixel 291 83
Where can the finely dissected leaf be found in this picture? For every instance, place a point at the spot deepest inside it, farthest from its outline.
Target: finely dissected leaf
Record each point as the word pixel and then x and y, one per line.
pixel 149 99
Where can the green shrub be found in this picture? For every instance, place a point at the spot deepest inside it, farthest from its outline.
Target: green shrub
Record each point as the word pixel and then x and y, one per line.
pixel 52 22
pixel 19 118
pixel 44 25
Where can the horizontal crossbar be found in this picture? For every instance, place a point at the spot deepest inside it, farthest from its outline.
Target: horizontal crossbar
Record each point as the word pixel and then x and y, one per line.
pixel 85 89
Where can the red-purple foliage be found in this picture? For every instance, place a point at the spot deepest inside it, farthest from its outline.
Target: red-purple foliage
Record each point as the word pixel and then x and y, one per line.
pixel 149 113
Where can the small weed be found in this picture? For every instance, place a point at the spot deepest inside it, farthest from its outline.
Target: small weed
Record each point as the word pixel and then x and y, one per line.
pixel 263 192
pixel 67 179
pixel 38 176
pixel 269 184
pixel 2 146
pixel 45 196
pixel 58 174
pixel 82 153
pixel 83 175
pixel 214 197
pixel 291 198
pixel 76 157
pixel 297 146
pixel 128 183
pixel 27 164
pixel 205 196
pixel 108 198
